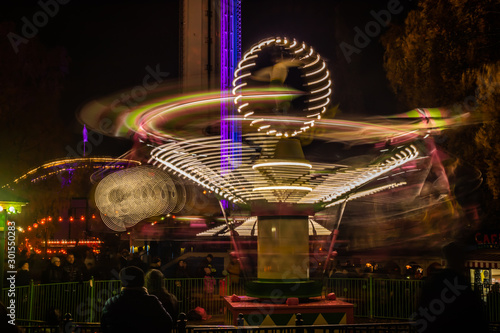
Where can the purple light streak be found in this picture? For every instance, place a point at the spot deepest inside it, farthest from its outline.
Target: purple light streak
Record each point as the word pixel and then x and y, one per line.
pixel 230 52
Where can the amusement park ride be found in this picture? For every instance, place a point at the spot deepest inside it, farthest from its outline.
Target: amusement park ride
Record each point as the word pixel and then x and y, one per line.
pixel 243 144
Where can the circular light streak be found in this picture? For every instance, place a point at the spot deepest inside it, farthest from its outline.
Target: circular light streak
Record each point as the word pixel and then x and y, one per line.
pixel 315 77
pixel 270 164
pixel 198 160
pixel 272 188
pixel 126 197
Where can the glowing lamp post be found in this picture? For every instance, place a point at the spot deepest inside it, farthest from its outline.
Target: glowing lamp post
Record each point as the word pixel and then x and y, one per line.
pixel 9 205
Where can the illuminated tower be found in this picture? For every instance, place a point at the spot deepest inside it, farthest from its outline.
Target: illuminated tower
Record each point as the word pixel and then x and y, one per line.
pixel 211 49
pixel 230 54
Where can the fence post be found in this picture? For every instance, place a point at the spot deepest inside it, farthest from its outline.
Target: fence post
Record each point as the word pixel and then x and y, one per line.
pixel 370 295
pixel 241 320
pixel 30 310
pixel 299 322
pixel 181 323
pixel 92 298
pixel 68 325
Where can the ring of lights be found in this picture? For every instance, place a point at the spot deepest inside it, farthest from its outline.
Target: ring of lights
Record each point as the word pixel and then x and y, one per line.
pixel 126 197
pixel 180 190
pixel 316 84
pixel 290 181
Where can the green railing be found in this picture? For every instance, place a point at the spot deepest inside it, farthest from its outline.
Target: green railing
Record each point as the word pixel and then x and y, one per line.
pixel 355 291
pixel 378 298
pixel 190 293
pixel 85 300
pixel 395 299
pixel 372 298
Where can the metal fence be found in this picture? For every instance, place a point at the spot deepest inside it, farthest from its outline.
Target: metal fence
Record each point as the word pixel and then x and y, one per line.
pixel 372 298
pixel 85 300
pixel 378 298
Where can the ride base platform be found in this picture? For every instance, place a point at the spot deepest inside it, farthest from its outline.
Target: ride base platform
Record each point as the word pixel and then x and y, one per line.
pixel 315 311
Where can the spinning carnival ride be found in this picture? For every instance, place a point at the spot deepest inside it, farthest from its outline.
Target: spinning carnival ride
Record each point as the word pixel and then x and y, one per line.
pixel 281 89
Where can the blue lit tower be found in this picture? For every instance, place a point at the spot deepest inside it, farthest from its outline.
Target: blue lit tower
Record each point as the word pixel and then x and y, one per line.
pixel 230 54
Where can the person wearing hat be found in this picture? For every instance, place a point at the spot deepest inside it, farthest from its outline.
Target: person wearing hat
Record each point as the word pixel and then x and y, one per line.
pixel 207 262
pixel 134 310
pixel 54 273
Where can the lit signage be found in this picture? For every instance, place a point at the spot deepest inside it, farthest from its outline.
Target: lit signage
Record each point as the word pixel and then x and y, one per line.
pixel 487 239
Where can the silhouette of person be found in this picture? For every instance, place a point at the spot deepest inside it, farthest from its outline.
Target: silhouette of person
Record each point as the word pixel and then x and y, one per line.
pixel 54 273
pixel 447 302
pixel 155 284
pixel 23 276
pixel 493 303
pixel 234 270
pixel 134 310
pixel 181 272
pixel 72 272
pixel 207 262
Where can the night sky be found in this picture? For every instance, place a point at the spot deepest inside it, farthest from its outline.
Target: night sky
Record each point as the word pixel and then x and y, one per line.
pixel 110 43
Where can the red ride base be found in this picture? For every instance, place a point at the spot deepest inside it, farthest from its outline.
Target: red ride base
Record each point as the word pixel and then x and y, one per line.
pixel 315 311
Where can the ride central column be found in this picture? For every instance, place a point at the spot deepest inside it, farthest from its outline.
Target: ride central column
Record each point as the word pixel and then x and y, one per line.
pixel 283 248
pixel 283 252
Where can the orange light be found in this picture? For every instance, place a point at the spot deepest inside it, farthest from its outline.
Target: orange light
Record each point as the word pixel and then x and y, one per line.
pixel 173 216
pixel 35 225
pixel 60 219
pixel 50 218
pixel 93 216
pixel 82 218
pixel 42 222
pixel 71 218
pixel 29 228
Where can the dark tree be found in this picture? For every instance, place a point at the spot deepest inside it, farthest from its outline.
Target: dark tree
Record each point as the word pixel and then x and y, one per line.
pixel 446 52
pixel 432 60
